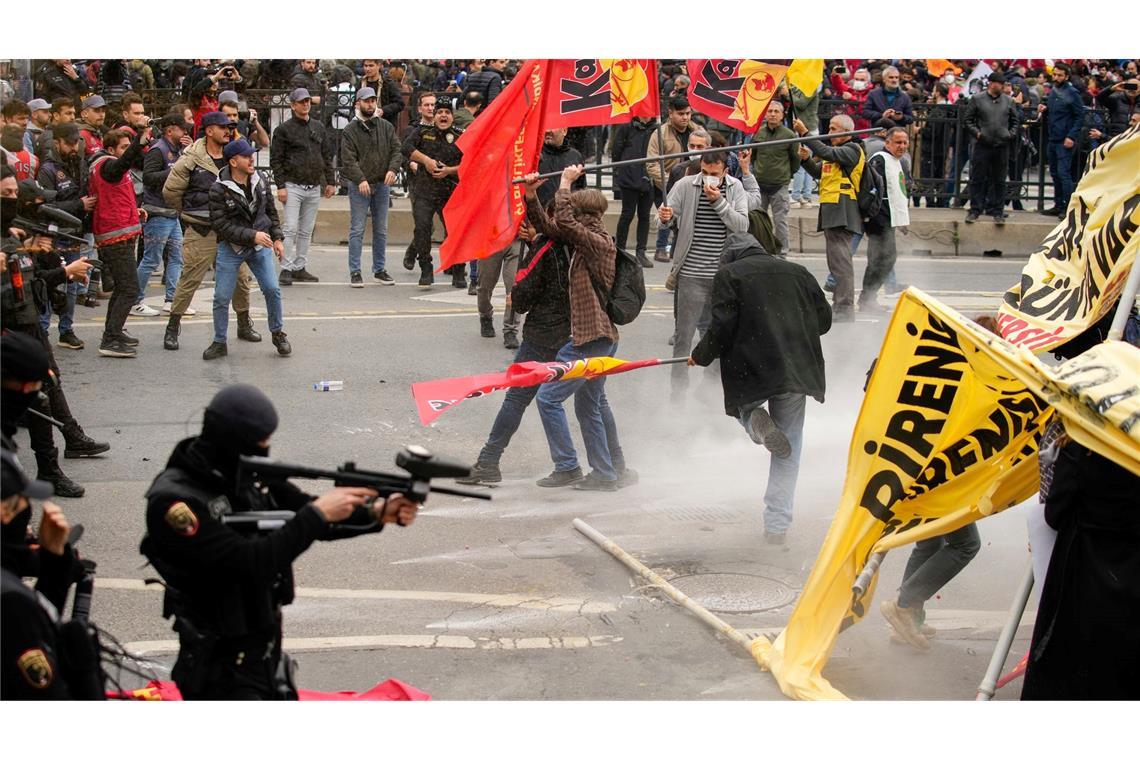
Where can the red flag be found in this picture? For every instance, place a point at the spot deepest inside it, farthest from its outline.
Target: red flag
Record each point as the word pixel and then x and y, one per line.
pixel 591 91
pixel 734 91
pixel 503 144
pixel 434 397
pixel 389 691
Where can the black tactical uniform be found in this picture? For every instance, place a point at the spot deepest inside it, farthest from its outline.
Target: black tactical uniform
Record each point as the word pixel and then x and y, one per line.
pixel 226 588
pixel 430 195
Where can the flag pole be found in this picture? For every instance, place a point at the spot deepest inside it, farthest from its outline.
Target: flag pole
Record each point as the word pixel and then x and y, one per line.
pixel 704 151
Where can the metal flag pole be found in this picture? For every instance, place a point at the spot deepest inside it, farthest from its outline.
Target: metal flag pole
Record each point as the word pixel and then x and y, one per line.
pixel 989 684
pixel 670 590
pixel 703 151
pixel 1124 306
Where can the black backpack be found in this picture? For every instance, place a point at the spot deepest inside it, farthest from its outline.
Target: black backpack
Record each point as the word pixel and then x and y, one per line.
pixel 872 191
pixel 624 301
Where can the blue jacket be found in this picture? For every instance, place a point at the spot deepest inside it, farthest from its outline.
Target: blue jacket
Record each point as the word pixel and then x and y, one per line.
pixel 1066 113
pixel 876 104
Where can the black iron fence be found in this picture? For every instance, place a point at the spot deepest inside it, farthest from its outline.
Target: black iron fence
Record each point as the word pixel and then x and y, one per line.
pixel 940 144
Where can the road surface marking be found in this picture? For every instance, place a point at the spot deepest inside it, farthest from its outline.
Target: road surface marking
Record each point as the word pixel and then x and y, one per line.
pixel 521 601
pixel 413 641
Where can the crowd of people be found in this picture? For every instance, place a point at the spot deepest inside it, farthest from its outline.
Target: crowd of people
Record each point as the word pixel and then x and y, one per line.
pixel 181 190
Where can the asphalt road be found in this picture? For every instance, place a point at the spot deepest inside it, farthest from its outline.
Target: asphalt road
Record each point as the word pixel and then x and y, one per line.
pixel 505 600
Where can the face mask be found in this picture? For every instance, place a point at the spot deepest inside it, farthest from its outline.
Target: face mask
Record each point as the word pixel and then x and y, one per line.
pixel 9 209
pixel 948 79
pixel 14 403
pixel 858 84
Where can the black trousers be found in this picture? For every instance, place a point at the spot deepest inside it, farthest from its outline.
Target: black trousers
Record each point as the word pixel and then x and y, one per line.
pixel 640 202
pixel 119 259
pixel 987 177
pixel 40 433
pixel 425 205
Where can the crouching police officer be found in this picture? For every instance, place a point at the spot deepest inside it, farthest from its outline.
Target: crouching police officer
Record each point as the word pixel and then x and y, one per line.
pixel 226 588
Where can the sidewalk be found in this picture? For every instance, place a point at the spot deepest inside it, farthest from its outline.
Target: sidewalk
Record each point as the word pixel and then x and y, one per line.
pixel 933 231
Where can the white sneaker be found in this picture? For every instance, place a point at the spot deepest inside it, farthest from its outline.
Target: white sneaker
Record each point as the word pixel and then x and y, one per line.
pixel 795 204
pixel 167 305
pixel 142 310
pixel 806 204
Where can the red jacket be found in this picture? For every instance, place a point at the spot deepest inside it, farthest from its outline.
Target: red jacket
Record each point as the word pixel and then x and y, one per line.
pixel 116 215
pixel 854 106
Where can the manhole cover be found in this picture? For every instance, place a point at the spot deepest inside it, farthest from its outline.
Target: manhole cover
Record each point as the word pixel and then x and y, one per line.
pixel 735 592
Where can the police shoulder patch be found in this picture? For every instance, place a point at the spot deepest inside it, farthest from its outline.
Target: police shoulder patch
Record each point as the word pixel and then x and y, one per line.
pixel 450 137
pixel 35 667
pixel 181 519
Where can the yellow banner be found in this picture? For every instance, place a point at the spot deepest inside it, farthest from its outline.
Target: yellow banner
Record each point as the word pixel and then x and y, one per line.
pixel 805 74
pixel 1075 278
pixel 944 432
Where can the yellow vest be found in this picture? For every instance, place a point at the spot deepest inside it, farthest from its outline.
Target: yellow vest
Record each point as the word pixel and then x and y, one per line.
pixel 834 183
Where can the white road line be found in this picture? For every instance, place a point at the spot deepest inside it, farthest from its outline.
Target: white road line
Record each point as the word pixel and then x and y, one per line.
pixel 521 601
pixel 413 641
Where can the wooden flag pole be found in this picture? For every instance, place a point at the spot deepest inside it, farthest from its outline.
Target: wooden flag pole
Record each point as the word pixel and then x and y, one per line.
pixel 703 151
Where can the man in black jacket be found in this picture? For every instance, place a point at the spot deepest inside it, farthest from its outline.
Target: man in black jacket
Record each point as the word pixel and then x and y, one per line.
pixel 488 80
pixel 301 158
pixel 162 233
pixel 435 152
pixel 370 156
pixel 226 589
pixel 244 219
pixel 58 78
pixel 637 193
pixel 391 100
pixel 991 117
pixel 767 316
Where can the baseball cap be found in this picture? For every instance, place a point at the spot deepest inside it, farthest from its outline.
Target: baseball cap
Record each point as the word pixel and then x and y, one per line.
pixel 364 93
pixel 68 131
pixel 237 147
pixel 39 104
pixel 216 119
pixel 23 358
pixel 13 480
pixel 95 101
pixel 228 96
pixel 299 94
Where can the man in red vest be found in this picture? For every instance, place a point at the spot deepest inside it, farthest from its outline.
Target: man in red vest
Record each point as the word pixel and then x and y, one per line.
pixel 116 223
pixel 23 162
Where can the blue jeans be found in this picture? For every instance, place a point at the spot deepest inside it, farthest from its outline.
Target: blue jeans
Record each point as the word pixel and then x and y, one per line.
pixel 787 411
pixel 67 317
pixel 802 185
pixel 510 414
pixel 161 234
pixel 1061 170
pixel 360 208
pixel 591 409
pixel 260 262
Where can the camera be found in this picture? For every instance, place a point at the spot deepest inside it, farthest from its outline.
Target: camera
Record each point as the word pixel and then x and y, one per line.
pixel 244 115
pixel 1131 86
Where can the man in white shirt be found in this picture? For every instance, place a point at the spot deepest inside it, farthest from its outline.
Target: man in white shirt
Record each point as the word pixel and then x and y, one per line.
pixel 894 214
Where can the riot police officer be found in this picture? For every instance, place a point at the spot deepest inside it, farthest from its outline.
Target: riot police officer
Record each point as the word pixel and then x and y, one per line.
pixel 434 149
pixel 226 588
pixel 30 271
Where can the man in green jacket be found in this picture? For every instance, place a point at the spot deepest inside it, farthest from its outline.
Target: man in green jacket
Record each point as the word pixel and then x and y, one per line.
pixel 773 169
pixel 369 159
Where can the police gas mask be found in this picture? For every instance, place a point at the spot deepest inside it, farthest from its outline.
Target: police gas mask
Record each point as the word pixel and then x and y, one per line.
pixel 25 362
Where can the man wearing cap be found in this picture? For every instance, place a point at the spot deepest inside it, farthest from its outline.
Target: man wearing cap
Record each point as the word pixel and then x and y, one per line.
pixel 991 117
pixel 227 589
pixel 162 233
pixel 187 190
pixel 244 219
pixel 64 172
pixel 301 158
pixel 38 120
pixel 438 156
pixel 62 112
pixel 92 114
pixel 369 159
pixel 250 128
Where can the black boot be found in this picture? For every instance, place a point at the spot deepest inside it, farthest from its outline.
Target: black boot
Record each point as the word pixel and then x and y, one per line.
pixel 47 464
pixel 245 328
pixel 173 327
pixel 215 350
pixel 281 343
pixel 79 444
pixel 487 327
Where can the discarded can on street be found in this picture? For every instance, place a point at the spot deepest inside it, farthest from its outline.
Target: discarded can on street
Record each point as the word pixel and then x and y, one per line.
pixel 329 385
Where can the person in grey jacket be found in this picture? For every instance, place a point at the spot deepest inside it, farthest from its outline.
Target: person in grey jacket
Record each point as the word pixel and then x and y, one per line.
pixel 369 159
pixel 838 167
pixel 705 209
pixel 991 117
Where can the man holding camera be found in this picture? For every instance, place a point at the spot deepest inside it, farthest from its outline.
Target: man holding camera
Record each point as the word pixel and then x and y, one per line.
pixel 248 123
pixel 1122 101
pixel 225 589
pixel 65 172
pixel 434 150
pixel 301 158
